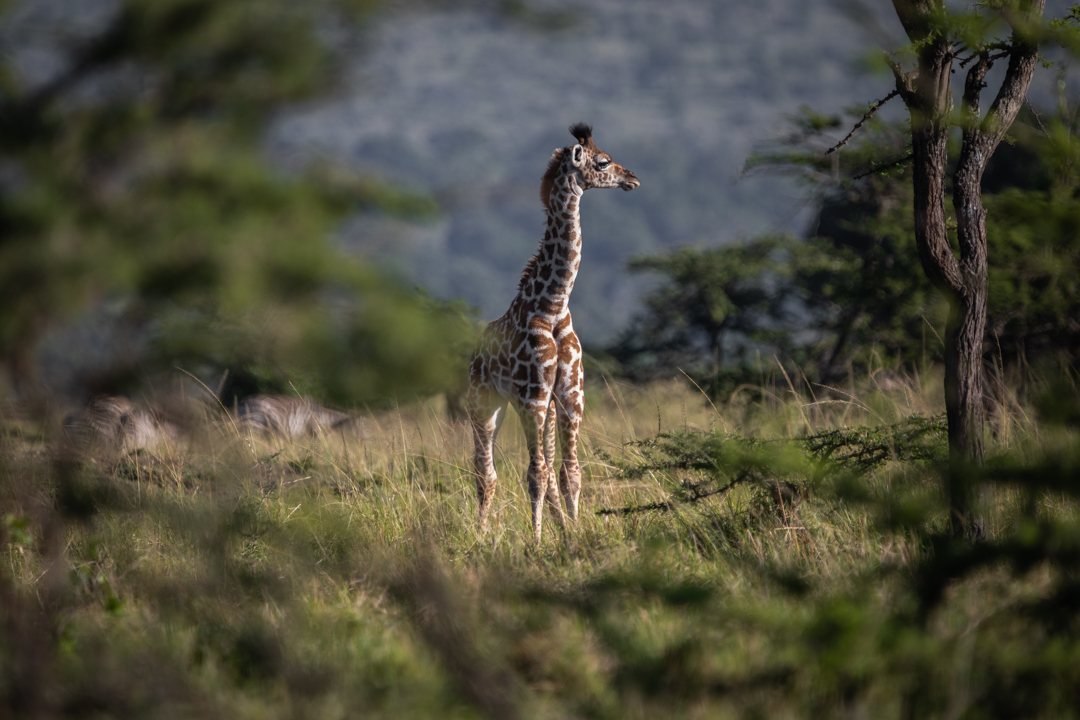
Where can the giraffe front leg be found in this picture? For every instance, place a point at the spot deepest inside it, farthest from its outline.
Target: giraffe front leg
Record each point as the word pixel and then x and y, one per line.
pixel 539 474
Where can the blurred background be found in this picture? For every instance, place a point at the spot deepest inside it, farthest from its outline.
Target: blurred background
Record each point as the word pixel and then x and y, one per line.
pixel 329 199
pixel 466 103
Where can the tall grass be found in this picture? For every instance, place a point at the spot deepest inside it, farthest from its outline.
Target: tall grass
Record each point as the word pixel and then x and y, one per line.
pixel 343 575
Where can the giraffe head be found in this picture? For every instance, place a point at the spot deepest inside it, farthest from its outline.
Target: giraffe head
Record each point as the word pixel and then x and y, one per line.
pixel 593 166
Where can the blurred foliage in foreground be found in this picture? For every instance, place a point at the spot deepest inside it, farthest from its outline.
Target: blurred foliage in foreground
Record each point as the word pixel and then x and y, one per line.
pixel 852 294
pixel 132 177
pixel 713 574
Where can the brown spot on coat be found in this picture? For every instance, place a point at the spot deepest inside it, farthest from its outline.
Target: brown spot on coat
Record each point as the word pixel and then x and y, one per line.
pixel 567 348
pixel 539 324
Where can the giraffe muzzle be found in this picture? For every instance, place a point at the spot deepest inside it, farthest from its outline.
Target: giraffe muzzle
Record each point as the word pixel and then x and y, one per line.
pixel 629 182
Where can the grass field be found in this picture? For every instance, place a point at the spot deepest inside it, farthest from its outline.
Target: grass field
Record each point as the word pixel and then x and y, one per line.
pixel 780 553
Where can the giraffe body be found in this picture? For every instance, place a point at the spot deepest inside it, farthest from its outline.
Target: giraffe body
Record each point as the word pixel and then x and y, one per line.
pixel 531 357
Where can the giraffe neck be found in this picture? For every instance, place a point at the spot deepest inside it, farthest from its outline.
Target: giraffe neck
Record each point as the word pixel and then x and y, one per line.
pixel 545 290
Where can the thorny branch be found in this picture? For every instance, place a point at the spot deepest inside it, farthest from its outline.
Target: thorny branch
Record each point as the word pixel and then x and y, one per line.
pixel 696 494
pixel 1039 120
pixel 881 168
pixel 869 114
pixel 992 58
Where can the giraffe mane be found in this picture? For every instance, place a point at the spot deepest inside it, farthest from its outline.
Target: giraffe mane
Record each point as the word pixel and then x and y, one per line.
pixel 549 177
pixel 529 271
pixel 582 132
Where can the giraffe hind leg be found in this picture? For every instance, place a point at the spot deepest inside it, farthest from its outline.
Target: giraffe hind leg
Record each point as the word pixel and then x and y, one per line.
pixel 552 493
pixel 533 416
pixel 486 419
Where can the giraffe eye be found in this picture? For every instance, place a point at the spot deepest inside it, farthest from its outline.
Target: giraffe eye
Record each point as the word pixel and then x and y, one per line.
pixel 603 163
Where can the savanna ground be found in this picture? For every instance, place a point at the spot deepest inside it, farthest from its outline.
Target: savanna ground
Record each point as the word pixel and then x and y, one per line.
pixel 780 553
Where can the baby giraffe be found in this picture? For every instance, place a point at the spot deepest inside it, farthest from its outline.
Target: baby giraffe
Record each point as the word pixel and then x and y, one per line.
pixel 531 356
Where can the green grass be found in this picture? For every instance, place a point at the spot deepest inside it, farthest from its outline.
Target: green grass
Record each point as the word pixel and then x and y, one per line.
pixel 343 576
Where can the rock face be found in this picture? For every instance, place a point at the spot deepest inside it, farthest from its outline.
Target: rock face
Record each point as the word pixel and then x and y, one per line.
pixel 468 105
pixel 289 416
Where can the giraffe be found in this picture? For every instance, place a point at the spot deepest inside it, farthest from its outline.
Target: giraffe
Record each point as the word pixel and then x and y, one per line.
pixel 531 357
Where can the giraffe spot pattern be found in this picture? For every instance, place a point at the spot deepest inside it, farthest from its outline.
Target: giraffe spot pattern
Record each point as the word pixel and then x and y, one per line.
pixel 531 355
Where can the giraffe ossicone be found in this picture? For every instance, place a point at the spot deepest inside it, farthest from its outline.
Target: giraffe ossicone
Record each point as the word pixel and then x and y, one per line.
pixel 531 357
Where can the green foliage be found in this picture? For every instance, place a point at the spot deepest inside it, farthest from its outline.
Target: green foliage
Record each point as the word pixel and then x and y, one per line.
pixel 860 276
pixel 137 180
pixel 715 463
pixel 716 300
pixel 1035 305
pixel 853 293
pixel 336 580
pixel 867 448
pixel 858 273
pixel 1034 240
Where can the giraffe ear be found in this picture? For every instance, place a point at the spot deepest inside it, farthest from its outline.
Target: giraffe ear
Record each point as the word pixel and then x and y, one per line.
pixel 577 156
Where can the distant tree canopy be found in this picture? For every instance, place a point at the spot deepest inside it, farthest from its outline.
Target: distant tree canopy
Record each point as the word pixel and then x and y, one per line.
pixel 133 175
pixel 853 292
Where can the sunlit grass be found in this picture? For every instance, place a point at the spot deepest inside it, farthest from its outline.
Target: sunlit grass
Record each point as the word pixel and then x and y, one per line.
pixel 344 574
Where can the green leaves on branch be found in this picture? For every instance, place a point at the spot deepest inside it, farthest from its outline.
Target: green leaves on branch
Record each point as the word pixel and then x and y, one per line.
pixel 713 304
pixel 853 293
pixel 134 176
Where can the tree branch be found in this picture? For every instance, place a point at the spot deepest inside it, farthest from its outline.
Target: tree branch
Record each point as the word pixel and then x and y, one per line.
pixel 696 495
pixel 25 110
pixel 1013 90
pixel 905 81
pixel 1039 120
pixel 973 85
pixel 882 168
pixel 874 107
pixel 998 56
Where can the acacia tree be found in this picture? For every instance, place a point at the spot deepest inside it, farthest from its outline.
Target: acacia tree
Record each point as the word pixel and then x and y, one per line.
pixel 712 301
pixel 939 41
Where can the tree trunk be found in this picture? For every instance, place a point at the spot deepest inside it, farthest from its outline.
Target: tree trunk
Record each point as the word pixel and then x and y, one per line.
pixel 927 92
pixel 964 406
